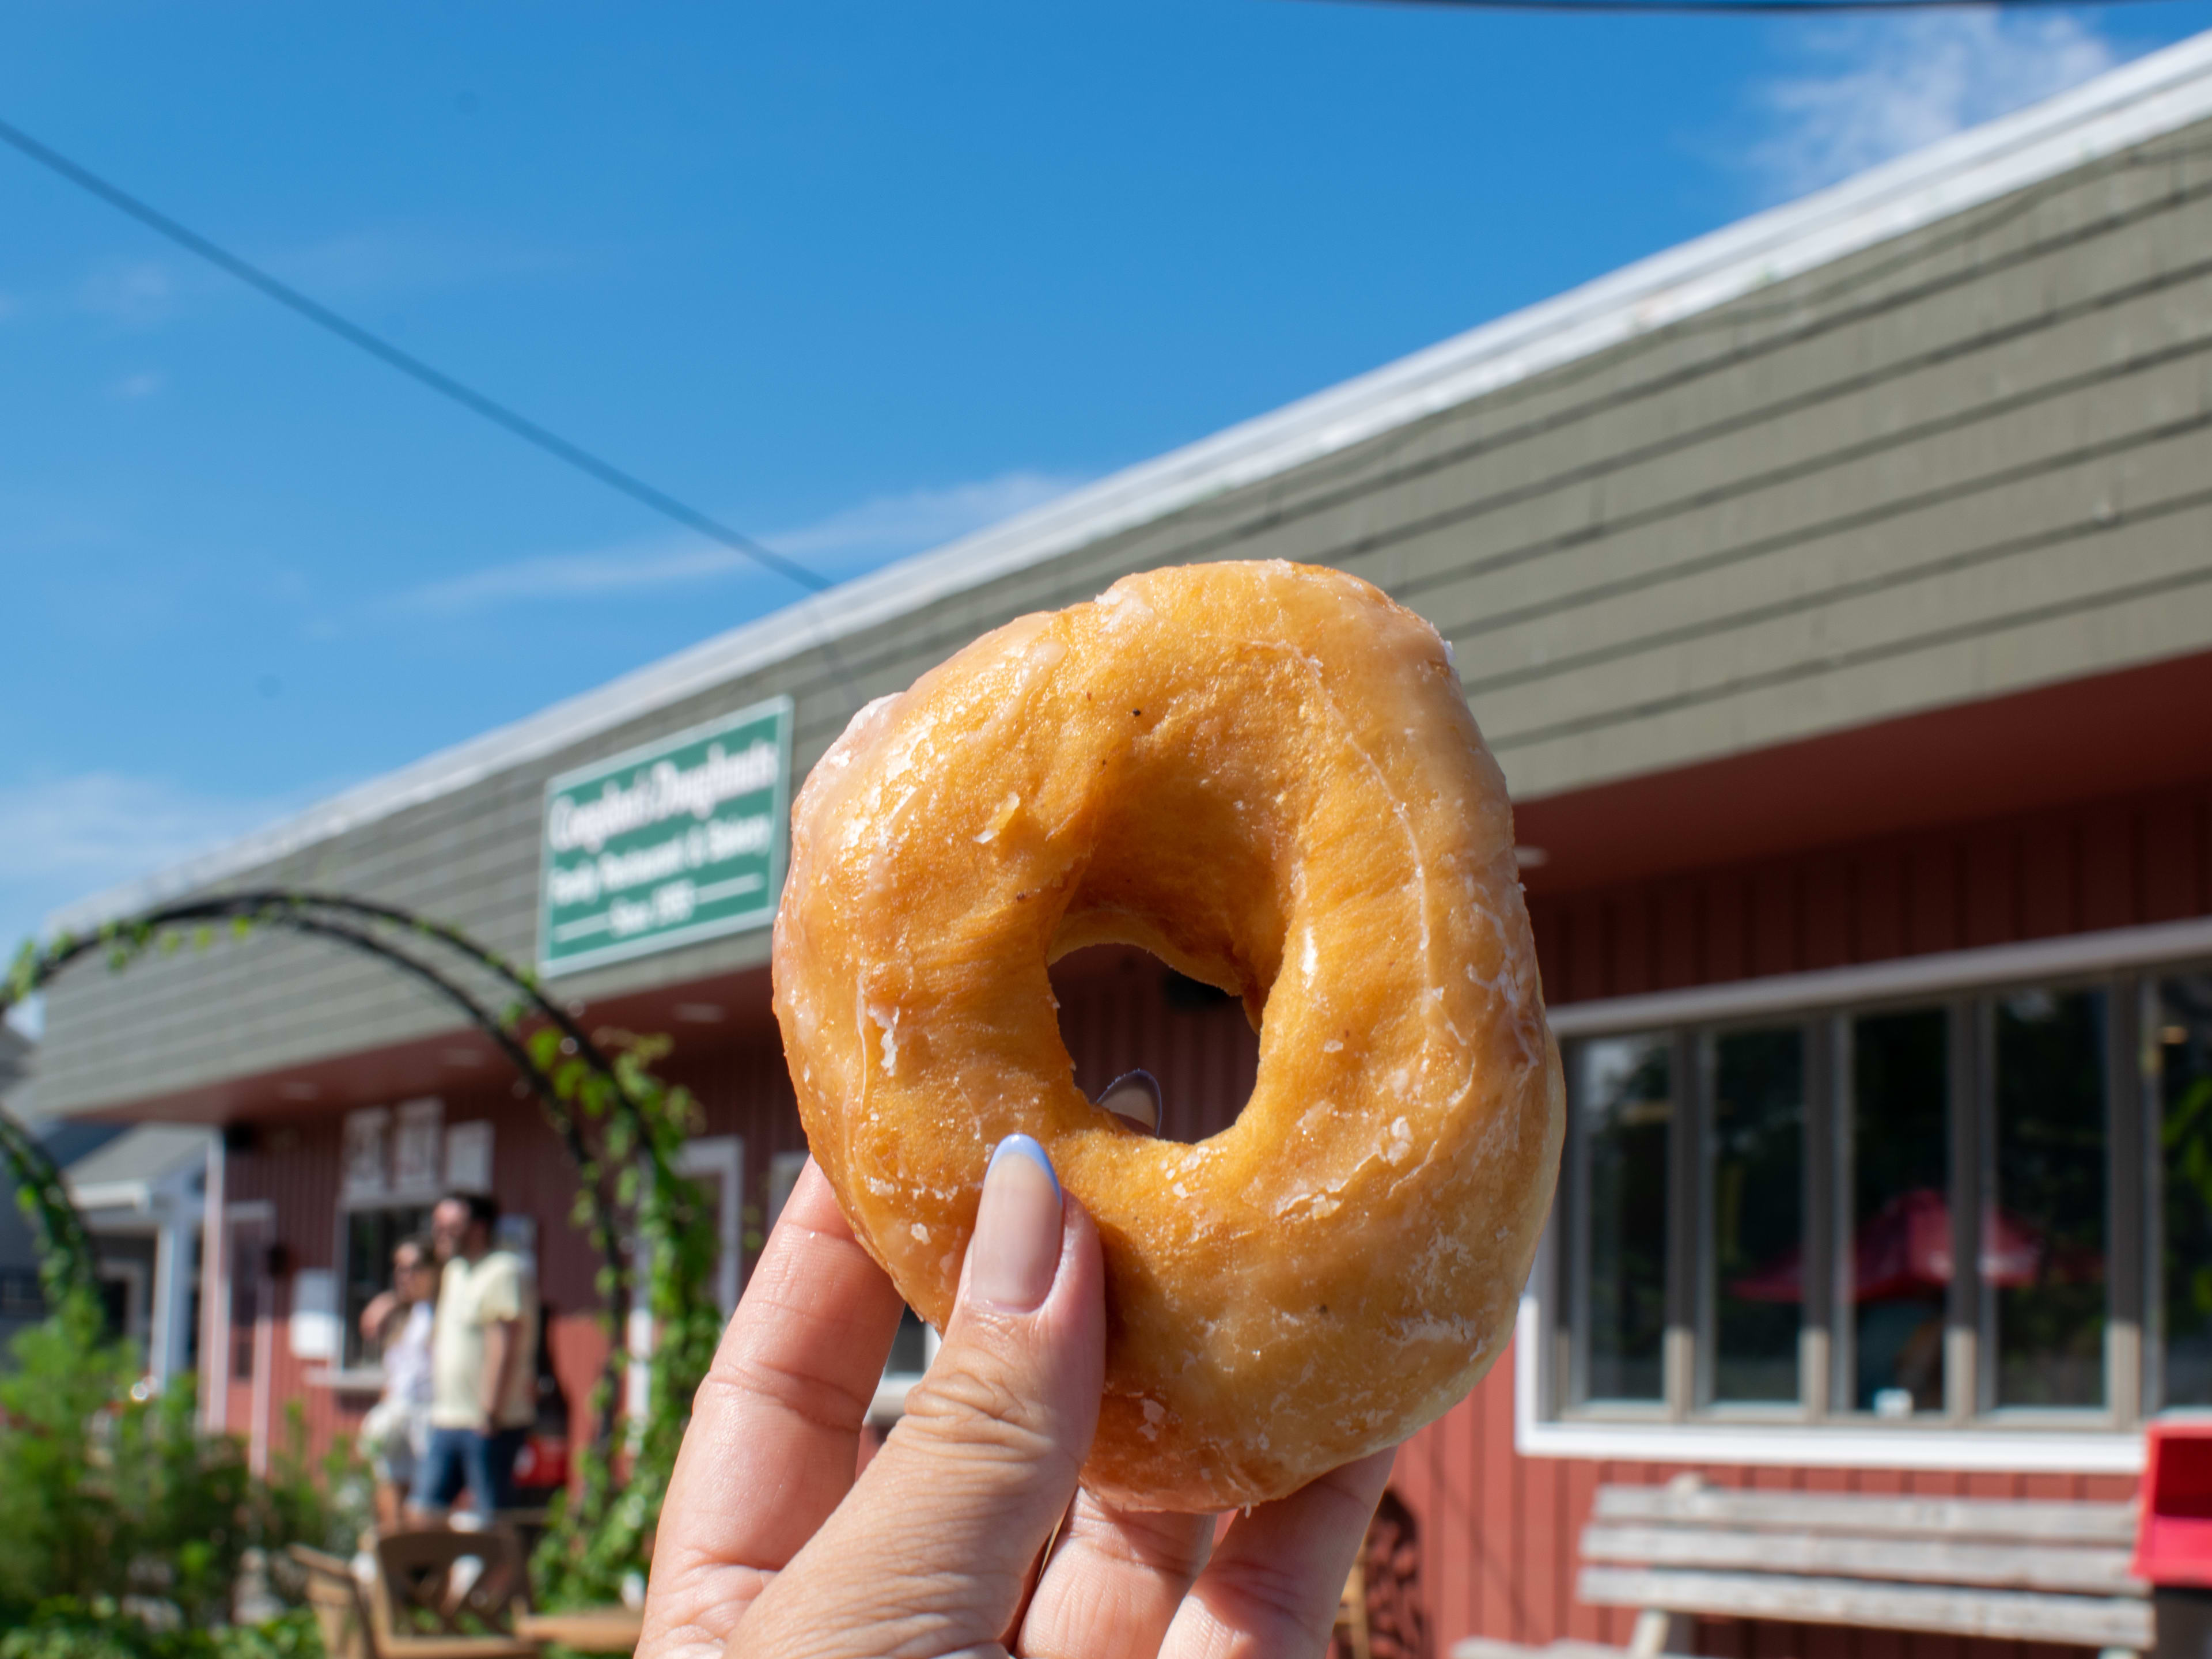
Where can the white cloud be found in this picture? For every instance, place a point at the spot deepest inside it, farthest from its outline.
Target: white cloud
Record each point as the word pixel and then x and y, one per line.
pixel 847 542
pixel 350 267
pixel 63 839
pixel 136 293
pixel 131 388
pixel 920 518
pixel 394 260
pixel 1892 85
pixel 662 562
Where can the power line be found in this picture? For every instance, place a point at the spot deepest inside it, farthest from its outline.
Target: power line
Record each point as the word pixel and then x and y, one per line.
pixel 412 366
pixel 1721 7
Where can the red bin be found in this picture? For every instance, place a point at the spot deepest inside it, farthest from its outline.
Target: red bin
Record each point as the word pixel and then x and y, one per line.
pixel 2173 1539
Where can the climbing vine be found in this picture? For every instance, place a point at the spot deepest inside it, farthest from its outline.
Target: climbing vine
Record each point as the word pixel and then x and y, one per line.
pixel 66 1266
pixel 622 1126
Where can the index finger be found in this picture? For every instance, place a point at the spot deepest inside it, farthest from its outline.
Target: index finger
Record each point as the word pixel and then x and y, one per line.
pixel 775 1427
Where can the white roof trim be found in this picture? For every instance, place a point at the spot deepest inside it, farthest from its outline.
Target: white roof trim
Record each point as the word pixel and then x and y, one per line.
pixel 2154 94
pixel 2069 956
pixel 136 1195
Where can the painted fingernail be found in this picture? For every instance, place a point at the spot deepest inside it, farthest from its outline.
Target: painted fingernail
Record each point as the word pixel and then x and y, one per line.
pixel 1015 1248
pixel 1135 1096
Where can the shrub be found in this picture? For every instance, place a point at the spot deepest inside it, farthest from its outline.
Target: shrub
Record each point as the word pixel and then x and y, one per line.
pixel 125 1523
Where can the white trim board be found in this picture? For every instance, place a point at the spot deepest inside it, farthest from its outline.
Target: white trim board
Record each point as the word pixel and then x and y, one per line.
pixel 1805 1445
pixel 2071 956
pixel 723 1155
pixel 2156 95
pixel 708 1154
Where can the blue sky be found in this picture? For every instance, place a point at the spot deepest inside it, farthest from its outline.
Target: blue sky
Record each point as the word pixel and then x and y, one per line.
pixel 856 277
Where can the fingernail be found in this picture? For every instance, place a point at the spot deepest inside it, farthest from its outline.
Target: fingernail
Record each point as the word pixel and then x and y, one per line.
pixel 1135 1096
pixel 1015 1248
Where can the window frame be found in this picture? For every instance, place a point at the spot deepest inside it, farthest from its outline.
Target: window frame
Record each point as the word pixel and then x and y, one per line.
pixel 1699 1044
pixel 1574 1189
pixel 1838 1335
pixel 354 1360
pixel 2126 965
pixel 2150 1133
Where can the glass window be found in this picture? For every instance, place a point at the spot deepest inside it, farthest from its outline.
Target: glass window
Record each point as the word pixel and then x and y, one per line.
pixel 1969 1179
pixel 2044 1223
pixel 247 1262
pixel 909 1354
pixel 1899 1263
pixel 1755 1183
pixel 1624 1095
pixel 2184 1020
pixel 370 1237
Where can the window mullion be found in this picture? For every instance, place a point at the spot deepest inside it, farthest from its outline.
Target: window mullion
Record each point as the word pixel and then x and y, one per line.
pixel 1576 1264
pixel 1818 1319
pixel 1843 1233
pixel 1966 1320
pixel 1686 1229
pixel 2123 1244
pixel 2147 1097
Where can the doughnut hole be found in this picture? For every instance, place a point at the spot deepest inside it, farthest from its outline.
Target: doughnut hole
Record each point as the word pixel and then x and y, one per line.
pixel 1123 1009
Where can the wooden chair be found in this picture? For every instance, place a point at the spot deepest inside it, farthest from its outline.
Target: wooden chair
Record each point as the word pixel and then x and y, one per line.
pixel 421 1607
pixel 335 1595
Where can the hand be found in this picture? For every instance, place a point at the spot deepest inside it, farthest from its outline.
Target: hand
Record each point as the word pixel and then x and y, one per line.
pixel 769 1549
pixel 383 1307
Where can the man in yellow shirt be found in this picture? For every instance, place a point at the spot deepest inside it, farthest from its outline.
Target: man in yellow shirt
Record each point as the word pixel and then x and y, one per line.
pixel 483 1346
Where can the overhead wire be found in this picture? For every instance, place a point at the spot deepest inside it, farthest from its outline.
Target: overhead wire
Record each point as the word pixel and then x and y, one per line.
pixel 393 357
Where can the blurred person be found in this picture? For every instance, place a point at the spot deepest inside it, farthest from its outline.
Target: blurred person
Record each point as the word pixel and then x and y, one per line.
pixel 483 1392
pixel 397 1323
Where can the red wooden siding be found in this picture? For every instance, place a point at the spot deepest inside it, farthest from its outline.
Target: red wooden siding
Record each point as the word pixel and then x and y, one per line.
pixel 742 1088
pixel 1498 1529
pixel 2112 863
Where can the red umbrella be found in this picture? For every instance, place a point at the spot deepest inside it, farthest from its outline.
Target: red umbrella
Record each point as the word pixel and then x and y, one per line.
pixel 1904 1249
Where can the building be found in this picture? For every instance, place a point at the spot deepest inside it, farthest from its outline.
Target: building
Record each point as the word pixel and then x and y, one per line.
pixel 144 1195
pixel 141 1191
pixel 1836 590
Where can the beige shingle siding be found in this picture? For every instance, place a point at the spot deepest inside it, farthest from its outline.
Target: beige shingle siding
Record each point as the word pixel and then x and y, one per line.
pixel 1974 459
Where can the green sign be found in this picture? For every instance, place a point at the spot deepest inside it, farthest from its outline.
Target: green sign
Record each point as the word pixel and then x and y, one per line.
pixel 679 840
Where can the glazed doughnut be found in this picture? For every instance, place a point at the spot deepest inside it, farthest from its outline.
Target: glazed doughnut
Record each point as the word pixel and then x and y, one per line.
pixel 1266 775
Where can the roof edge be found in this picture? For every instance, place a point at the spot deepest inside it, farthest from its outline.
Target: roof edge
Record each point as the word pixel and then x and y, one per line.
pixel 2154 94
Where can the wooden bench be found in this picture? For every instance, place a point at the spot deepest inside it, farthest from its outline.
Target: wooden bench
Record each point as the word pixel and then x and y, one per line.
pixel 2029 1570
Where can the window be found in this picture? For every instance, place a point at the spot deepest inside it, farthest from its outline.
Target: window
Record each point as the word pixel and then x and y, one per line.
pixel 1897 1265
pixel 912 1348
pixel 1624 1102
pixel 391 1166
pixel 369 1236
pixel 245 1259
pixel 1754 1182
pixel 1988 1208
pixel 2181 1054
pixel 2042 1221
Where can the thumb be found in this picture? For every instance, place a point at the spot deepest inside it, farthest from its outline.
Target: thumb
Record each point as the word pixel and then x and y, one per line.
pixel 932 1548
